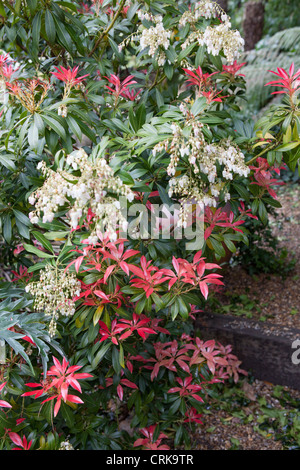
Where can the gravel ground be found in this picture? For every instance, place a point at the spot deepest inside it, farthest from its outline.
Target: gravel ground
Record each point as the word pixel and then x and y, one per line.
pixel 237 427
pixel 231 425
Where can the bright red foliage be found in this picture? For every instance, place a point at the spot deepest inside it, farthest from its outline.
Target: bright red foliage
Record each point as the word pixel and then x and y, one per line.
pixel 3 403
pixel 233 68
pixel 65 377
pixel 193 273
pixel 148 441
pixel 288 80
pixel 199 78
pixel 121 88
pixel 21 443
pixel 148 277
pixel 187 389
pixel 68 75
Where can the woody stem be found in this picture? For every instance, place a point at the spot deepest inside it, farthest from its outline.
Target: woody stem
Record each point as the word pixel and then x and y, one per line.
pixel 110 26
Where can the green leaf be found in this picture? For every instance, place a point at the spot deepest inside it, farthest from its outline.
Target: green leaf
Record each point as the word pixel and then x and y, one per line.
pixel 22 217
pixel 121 357
pixel 100 354
pixel 183 308
pixel 36 267
pixel 178 436
pixel 36 251
pixel 36 30
pixel 32 4
pixel 171 55
pixel 23 131
pixel 115 360
pixel 125 177
pixel 169 70
pixel 241 190
pixel 68 414
pixel 217 61
pixel 75 128
pixel 40 238
pixel 33 136
pixel 230 245
pixel 62 36
pixel 50 27
pixel 164 195
pixel 7 228
pixel 69 5
pixel 11 337
pixel 217 246
pixel 186 52
pixel 5 160
pixel 262 212
pixel 200 56
pixel 23 229
pixel 199 106
pixel 287 147
pixel 55 126
pixel 193 299
pixel 272 202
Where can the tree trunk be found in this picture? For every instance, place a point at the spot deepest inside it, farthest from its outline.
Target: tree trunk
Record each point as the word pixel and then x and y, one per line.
pixel 223 4
pixel 253 23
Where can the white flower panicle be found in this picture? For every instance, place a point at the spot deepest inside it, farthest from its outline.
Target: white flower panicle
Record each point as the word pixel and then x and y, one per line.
pixel 209 166
pixel 53 293
pixel 66 445
pixel 157 38
pixel 202 9
pixel 216 38
pixel 190 189
pixel 62 111
pixel 92 189
pixel 221 37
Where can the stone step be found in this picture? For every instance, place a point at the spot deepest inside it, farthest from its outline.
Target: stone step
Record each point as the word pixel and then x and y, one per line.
pixel 270 352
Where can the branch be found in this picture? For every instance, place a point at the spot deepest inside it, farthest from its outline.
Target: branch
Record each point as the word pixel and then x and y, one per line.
pixel 261 153
pixel 110 26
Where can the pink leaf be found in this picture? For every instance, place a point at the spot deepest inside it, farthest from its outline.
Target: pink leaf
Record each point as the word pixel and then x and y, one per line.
pixel 16 438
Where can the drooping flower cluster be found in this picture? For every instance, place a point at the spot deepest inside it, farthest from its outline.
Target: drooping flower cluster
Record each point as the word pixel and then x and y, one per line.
pixel 53 294
pixel 94 189
pixel 66 445
pixel 216 38
pixel 157 38
pixel 202 9
pixel 221 37
pixel 203 157
pixel 203 184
